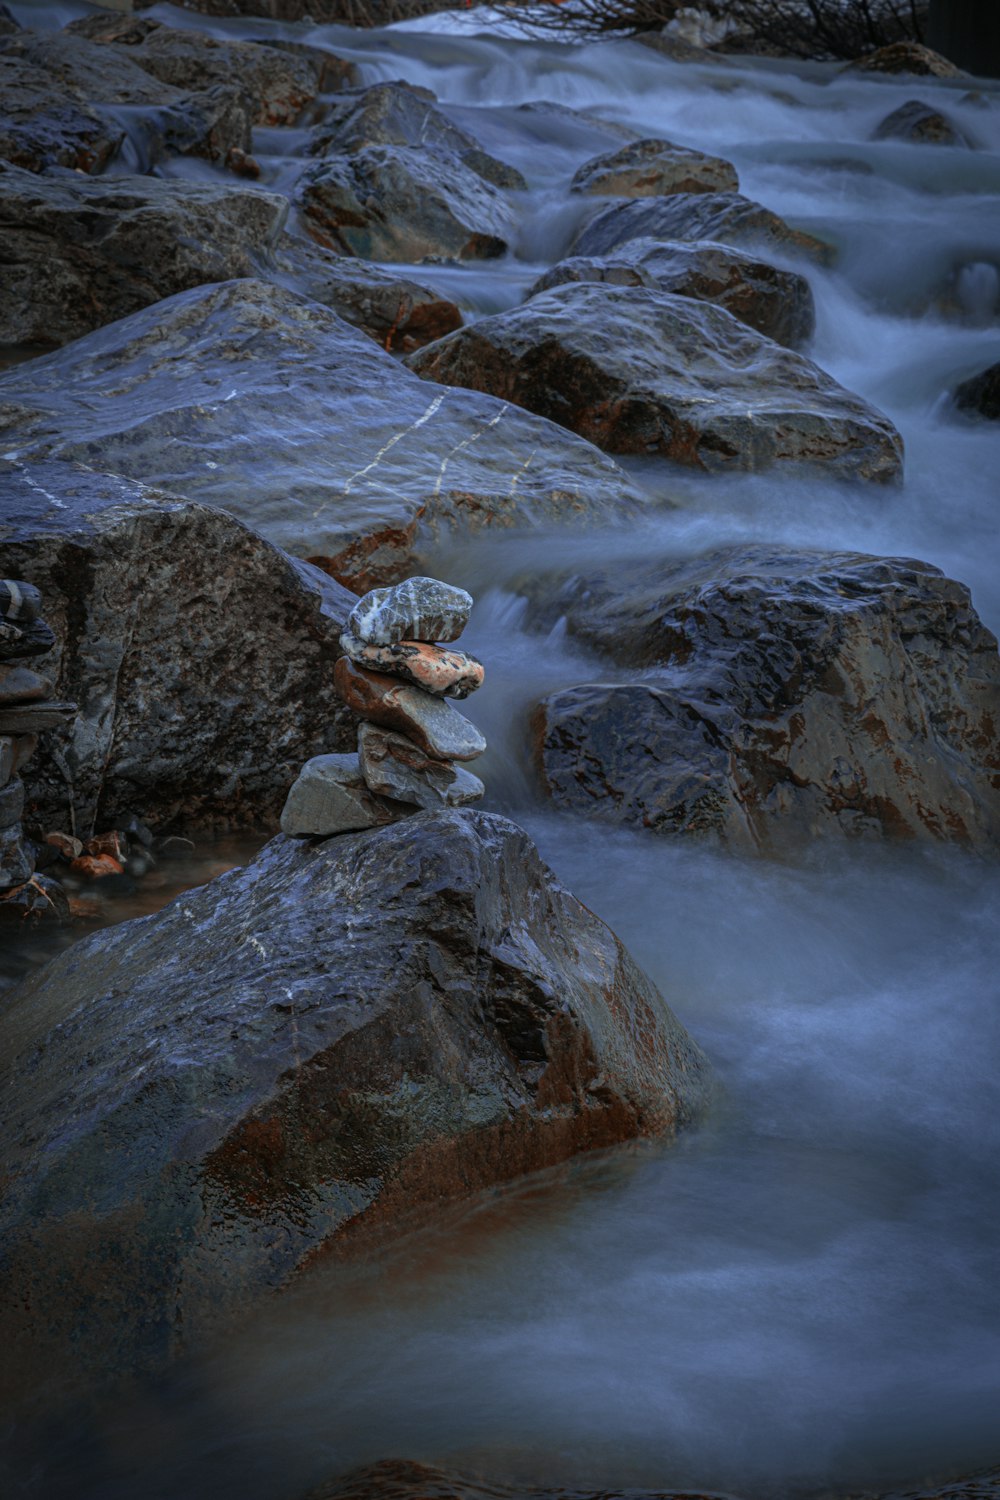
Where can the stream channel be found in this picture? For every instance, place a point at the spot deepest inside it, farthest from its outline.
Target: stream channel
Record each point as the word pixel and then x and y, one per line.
pixel 800 1296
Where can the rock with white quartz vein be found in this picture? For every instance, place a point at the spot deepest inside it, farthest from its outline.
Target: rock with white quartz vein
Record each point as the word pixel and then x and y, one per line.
pixel 418 609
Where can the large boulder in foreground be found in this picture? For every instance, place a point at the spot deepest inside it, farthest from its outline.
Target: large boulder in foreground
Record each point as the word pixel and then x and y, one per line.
pixel 641 371
pixel 81 252
pixel 727 217
pixel 297 1056
pixel 250 398
pixel 776 302
pixel 785 696
pixel 201 656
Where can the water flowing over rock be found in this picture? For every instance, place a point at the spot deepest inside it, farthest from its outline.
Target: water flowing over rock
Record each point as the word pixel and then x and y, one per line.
pixel 727 217
pixel 916 121
pixel 638 371
pixel 785 696
pixel 279 81
pixel 778 303
pixel 359 467
pixel 200 655
pixel 297 1055
pixel 906 57
pixel 654 168
pixel 57 82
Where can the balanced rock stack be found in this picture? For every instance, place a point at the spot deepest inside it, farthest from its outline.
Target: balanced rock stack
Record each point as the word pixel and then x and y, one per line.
pixel 26 708
pixel 396 675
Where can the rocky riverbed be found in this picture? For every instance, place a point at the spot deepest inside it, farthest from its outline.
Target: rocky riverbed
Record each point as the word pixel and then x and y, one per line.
pixel 683 366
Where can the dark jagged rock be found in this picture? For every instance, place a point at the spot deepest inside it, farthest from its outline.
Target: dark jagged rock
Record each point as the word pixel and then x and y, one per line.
pixel 398 203
pixel 56 82
pixel 727 217
pixel 920 122
pixel 399 114
pixel 279 82
pixel 981 394
pixel 296 1056
pixel 655 168
pixel 358 467
pixel 785 696
pixel 778 303
pixel 640 371
pixel 200 656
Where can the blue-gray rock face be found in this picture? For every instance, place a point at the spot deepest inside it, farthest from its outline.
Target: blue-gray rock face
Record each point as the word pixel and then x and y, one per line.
pixel 200 655
pixel 196 1103
pixel 247 397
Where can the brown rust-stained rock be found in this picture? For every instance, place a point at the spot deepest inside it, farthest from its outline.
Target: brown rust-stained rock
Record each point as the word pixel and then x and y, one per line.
pixel 785 696
pixel 641 371
pixel 295 1056
pixel 446 674
pixel 199 654
pixel 439 730
pixel 777 303
pixel 654 168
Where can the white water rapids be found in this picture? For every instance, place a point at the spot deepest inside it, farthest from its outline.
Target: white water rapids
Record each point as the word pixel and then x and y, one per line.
pixel 801 1295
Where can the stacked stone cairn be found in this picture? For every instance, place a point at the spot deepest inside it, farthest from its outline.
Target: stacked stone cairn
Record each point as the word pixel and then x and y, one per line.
pixel 396 675
pixel 26 709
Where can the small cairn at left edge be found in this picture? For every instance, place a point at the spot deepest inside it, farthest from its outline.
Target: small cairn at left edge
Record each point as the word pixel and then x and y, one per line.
pixel 397 671
pixel 26 710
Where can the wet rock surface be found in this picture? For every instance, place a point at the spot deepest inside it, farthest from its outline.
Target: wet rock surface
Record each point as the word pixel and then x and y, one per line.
pixel 330 795
pixel 638 371
pixel 200 655
pixel 393 766
pixel 435 727
pixel 726 217
pixel 922 123
pixel 362 466
pixel 448 674
pixel 654 168
pixel 296 1055
pixel 981 394
pixel 418 609
pixel 777 303
pixel 785 696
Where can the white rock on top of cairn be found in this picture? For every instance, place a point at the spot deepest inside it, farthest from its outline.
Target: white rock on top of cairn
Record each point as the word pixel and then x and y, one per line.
pixel 395 675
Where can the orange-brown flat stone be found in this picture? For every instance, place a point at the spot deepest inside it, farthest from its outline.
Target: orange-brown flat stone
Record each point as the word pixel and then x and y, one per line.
pixel 446 674
pixel 433 725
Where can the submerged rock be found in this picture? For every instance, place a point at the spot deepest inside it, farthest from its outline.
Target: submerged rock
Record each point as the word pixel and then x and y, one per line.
pixel 916 121
pixel 655 168
pixel 785 696
pixel 299 1055
pixel 777 303
pixel 981 394
pixel 640 371
pixel 200 655
pixel 363 464
pixel 726 217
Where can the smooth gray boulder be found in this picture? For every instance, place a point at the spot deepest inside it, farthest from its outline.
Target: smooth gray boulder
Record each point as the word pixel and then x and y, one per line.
pixel 200 655
pixel 80 252
pixel 727 217
pixel 641 371
pixel 653 168
pixel 778 303
pixel 300 1055
pixel 247 397
pixel 784 696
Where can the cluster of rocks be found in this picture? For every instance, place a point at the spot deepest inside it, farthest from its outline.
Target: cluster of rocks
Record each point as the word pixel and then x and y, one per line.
pixel 26 709
pixel 395 676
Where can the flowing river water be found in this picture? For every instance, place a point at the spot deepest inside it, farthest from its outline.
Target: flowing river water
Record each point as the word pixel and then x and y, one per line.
pixel 800 1296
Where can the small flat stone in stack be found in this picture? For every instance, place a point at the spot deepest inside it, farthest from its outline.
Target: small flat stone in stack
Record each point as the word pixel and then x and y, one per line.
pixel 26 709
pixel 396 674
